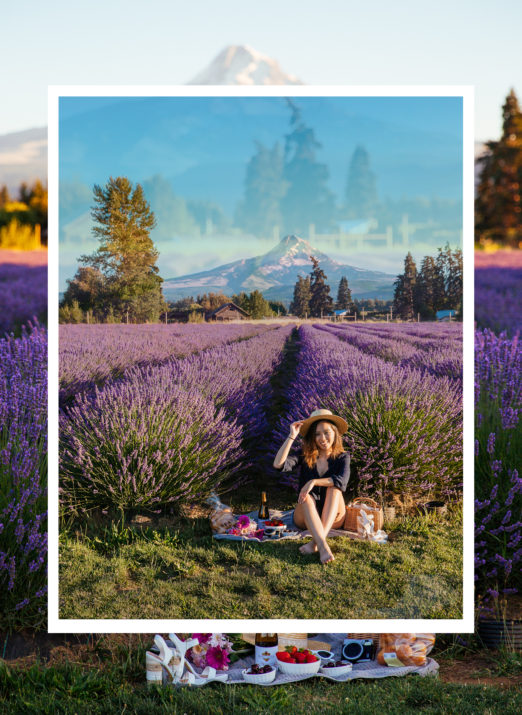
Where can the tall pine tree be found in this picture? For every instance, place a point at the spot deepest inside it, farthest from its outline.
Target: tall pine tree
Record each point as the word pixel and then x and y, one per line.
pixel 361 193
pixel 264 187
pixel 403 299
pixel 425 289
pixel 300 305
pixel 344 296
pixel 126 256
pixel 321 302
pixel 498 207
pixel 307 199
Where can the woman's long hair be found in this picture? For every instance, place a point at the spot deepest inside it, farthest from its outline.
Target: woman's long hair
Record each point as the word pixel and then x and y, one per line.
pixel 310 448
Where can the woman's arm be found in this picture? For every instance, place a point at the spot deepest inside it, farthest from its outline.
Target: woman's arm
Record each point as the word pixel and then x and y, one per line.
pixel 284 450
pixel 307 488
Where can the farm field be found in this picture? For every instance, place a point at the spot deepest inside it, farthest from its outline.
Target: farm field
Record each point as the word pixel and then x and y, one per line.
pixel 151 444
pixel 498 297
pixel 23 288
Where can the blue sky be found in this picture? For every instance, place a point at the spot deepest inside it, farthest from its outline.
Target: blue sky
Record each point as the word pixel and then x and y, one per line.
pixel 332 42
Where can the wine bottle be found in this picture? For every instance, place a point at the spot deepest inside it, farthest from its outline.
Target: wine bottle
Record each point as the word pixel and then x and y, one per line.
pixel 266 649
pixel 263 512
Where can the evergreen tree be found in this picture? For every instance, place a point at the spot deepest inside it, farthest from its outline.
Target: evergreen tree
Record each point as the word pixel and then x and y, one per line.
pixel 361 191
pixel 321 302
pixel 258 306
pixel 4 196
pixel 403 304
pixel 307 199
pixel 300 305
pixel 498 207
pixel 449 273
pixel 344 296
pixel 425 291
pixel 126 257
pixel 264 187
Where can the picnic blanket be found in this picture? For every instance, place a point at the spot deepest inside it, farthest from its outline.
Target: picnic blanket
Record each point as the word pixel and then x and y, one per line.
pixel 370 669
pixel 287 517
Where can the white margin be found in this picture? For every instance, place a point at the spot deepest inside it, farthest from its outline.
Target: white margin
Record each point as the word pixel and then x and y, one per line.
pixel 463 625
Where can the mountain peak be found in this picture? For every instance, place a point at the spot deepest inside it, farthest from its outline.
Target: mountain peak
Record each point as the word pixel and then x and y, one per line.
pixel 241 64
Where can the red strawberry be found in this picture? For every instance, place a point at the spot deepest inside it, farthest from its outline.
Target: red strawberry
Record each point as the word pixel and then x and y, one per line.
pixel 291 660
pixel 300 657
pixel 310 658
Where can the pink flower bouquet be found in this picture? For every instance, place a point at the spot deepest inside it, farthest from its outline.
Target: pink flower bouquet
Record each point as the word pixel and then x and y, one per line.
pixel 245 526
pixel 213 650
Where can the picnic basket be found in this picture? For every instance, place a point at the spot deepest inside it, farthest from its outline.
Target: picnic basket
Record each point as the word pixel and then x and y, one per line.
pixel 353 510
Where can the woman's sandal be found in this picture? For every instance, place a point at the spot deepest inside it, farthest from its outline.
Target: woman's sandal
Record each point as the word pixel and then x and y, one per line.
pixel 170 660
pixel 208 675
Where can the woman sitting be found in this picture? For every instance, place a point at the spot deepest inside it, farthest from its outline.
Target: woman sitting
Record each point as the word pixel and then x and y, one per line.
pixel 324 471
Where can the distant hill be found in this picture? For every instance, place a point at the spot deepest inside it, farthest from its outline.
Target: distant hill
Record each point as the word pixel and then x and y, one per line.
pixel 23 157
pixel 275 274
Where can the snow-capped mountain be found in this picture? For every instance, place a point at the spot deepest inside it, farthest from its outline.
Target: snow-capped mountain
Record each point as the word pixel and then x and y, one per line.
pixel 240 64
pixel 275 274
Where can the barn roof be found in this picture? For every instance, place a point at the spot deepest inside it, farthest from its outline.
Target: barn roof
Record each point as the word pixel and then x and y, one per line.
pixel 229 306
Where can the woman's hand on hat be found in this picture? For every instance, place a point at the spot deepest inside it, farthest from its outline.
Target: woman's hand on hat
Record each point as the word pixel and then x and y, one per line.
pixel 294 429
pixel 305 491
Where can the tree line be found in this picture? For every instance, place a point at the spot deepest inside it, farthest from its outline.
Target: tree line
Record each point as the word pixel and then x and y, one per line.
pixel 436 286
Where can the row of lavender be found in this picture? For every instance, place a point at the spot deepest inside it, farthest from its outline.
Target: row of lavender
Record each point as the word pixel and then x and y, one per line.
pixel 405 425
pixel 92 353
pixel 162 434
pixel 437 352
pixel 23 479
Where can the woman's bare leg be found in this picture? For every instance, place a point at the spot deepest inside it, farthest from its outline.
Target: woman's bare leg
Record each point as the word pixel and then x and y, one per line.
pixel 333 510
pixel 310 515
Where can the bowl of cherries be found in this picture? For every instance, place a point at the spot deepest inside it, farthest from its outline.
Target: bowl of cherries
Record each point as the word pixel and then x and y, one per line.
pixel 259 674
pixel 335 668
pixel 297 661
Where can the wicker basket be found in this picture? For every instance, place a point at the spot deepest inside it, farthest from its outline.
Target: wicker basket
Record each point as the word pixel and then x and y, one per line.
pixel 353 510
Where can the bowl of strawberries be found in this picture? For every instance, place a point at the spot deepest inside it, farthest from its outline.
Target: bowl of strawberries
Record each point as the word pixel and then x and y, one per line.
pixel 297 661
pixel 274 528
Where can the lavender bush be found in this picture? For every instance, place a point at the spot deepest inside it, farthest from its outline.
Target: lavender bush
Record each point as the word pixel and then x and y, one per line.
pixel 91 353
pixel 498 301
pixel 23 294
pixel 166 433
pixel 498 456
pixel 23 479
pixel 405 427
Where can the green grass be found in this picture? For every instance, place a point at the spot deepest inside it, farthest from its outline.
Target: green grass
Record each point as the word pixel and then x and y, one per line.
pixel 125 572
pixel 72 689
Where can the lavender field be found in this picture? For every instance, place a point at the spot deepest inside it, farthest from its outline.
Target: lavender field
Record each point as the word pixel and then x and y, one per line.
pixel 169 429
pixel 498 429
pixel 23 288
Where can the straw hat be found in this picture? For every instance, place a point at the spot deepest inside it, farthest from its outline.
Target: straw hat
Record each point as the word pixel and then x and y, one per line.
pixel 322 416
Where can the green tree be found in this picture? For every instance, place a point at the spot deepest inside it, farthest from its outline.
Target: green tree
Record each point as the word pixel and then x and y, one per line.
pixel 87 288
pixel 449 274
pixel 498 207
pixel 4 196
pixel 308 198
pixel 264 187
pixel 71 313
pixel 300 305
pixel 277 307
pixel 321 302
pixel 425 292
pixel 403 304
pixel 126 256
pixel 361 192
pixel 258 307
pixel 344 296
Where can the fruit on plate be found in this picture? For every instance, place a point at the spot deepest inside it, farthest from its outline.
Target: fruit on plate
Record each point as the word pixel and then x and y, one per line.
pixel 258 669
pixel 337 664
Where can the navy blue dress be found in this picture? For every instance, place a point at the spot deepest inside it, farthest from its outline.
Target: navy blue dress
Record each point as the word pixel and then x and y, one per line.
pixel 338 471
